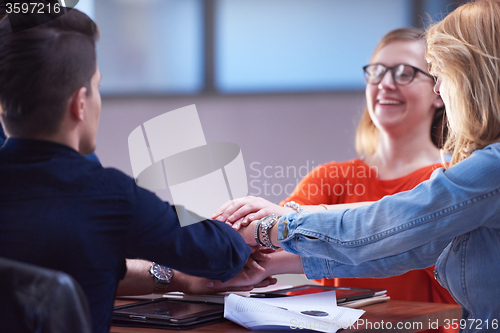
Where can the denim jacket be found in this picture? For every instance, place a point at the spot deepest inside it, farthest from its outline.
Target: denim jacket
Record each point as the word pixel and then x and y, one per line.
pixel 451 220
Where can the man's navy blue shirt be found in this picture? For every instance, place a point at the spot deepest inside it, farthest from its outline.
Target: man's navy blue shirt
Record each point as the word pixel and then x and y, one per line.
pixel 2 136
pixel 62 211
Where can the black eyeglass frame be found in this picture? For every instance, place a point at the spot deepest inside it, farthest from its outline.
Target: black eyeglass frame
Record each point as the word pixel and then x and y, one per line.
pixel 386 68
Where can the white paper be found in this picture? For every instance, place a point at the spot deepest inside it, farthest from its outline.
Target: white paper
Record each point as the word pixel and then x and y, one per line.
pixel 317 312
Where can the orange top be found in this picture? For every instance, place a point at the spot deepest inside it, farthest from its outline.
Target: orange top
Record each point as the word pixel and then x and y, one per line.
pixel 355 181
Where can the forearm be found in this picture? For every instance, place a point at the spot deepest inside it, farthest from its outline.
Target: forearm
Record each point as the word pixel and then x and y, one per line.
pixel 418 258
pixel 282 262
pixel 138 280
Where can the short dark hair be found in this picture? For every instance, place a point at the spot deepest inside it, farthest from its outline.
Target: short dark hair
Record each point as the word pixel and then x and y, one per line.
pixel 41 67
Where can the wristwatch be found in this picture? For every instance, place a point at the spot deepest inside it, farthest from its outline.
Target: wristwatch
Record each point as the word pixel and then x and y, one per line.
pixel 162 275
pixel 262 228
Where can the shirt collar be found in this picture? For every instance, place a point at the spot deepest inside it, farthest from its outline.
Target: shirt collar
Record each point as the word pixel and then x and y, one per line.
pixel 36 147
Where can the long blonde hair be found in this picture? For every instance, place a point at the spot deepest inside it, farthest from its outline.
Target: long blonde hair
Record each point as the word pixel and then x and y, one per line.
pixel 367 133
pixel 464 49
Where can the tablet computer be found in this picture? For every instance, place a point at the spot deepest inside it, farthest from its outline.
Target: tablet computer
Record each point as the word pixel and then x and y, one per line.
pixel 343 294
pixel 167 313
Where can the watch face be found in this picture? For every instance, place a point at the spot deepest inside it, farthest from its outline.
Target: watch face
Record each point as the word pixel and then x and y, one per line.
pixel 162 272
pixel 268 220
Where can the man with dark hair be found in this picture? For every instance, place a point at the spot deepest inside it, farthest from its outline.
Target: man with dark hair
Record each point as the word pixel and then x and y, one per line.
pixel 58 56
pixel 62 211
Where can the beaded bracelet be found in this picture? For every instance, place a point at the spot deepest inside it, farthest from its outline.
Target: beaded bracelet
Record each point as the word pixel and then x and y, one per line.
pixel 294 205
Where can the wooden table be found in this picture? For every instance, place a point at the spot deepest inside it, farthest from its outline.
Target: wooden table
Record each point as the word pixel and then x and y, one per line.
pixel 391 316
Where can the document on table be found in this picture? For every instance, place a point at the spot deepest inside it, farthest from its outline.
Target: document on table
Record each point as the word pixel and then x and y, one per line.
pixel 317 312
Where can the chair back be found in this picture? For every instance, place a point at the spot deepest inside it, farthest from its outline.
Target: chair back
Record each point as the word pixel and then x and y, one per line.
pixel 35 299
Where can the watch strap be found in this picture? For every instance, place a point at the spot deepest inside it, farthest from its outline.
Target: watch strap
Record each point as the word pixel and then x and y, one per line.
pixel 257 233
pixel 264 226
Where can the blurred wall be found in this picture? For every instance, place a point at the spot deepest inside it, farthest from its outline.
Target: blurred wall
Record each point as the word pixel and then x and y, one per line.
pixel 282 137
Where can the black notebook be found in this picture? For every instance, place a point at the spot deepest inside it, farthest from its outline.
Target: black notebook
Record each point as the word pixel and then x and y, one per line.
pixel 167 313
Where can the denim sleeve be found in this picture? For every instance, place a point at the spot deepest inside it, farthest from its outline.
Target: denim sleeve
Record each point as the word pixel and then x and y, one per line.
pixel 453 202
pixel 418 258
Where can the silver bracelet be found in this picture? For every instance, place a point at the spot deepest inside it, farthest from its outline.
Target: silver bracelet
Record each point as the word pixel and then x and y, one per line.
pixel 262 231
pixel 294 205
pixel 256 233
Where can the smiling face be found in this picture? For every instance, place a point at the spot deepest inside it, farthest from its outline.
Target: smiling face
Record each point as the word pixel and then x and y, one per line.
pixel 402 109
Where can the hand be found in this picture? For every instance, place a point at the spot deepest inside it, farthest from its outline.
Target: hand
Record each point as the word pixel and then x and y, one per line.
pixel 138 280
pixel 261 254
pixel 253 275
pixel 277 262
pixel 241 212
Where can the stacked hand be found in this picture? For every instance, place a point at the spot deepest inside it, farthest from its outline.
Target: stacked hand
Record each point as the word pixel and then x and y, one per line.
pixel 241 212
pixel 253 275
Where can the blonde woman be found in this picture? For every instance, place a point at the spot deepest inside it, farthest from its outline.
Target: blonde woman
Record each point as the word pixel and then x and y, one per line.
pixel 459 206
pixel 397 140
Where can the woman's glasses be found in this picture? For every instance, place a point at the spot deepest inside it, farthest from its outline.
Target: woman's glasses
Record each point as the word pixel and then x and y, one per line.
pixel 401 74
